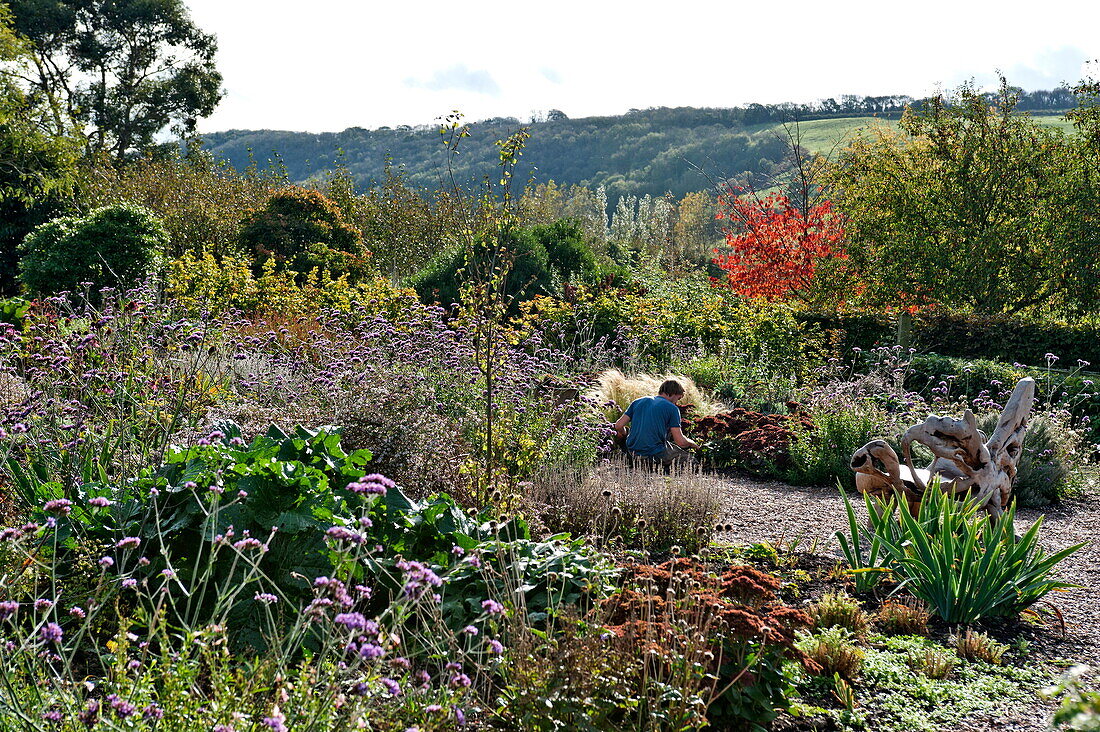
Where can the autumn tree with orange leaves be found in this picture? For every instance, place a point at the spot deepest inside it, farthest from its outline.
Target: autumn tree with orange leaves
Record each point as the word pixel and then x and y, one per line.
pixel 774 247
pixel 777 245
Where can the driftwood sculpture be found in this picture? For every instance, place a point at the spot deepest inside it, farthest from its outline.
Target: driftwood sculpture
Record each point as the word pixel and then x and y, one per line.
pixel 965 461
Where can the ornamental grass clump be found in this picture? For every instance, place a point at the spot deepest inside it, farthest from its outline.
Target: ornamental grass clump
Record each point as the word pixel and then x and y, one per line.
pixel 975 646
pixel 618 505
pixel 903 616
pixel 837 609
pixel 834 651
pixel 616 391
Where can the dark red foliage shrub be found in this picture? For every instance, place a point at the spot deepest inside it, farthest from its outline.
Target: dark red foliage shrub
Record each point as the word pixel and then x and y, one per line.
pixel 753 440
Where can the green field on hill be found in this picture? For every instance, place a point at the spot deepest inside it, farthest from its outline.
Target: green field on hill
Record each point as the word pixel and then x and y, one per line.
pixel 827 136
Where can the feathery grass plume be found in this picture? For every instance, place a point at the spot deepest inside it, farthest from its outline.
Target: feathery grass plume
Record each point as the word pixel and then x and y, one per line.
pixel 615 386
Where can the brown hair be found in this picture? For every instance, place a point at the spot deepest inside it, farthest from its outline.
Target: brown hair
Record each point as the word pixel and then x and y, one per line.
pixel 671 387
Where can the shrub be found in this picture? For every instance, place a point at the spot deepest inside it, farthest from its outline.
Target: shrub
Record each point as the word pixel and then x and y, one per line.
pixel 200 200
pixel 966 336
pixel 219 284
pixel 114 246
pixel 540 257
pixel 836 609
pixel 1053 463
pixel 301 230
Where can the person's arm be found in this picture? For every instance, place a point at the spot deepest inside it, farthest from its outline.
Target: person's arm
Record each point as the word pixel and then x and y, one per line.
pixel 678 437
pixel 620 426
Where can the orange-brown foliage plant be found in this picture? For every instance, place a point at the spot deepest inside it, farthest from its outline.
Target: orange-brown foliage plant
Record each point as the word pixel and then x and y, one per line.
pixel 731 624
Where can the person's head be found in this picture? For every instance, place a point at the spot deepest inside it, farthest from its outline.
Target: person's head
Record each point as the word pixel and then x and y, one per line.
pixel 672 390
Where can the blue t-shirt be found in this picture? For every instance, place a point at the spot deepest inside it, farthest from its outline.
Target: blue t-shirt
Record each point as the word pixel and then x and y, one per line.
pixel 651 418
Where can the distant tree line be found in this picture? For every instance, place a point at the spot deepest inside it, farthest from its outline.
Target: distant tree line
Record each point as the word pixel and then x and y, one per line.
pixel 643 152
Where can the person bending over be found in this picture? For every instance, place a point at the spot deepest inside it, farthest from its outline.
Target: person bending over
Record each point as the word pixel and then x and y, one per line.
pixel 655 428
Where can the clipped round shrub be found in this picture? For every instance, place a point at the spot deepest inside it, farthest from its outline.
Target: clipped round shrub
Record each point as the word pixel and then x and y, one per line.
pixel 113 246
pixel 301 229
pixel 539 255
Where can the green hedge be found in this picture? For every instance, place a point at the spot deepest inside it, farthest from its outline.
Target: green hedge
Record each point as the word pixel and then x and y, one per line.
pixel 967 336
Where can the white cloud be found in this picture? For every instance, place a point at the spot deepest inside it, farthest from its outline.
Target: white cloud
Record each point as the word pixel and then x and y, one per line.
pixel 459 78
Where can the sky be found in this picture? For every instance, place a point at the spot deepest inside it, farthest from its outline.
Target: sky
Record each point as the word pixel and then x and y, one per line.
pixel 326 65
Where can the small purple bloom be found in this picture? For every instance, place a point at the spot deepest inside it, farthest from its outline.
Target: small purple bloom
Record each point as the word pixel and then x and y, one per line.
pixel 351 621
pixel 492 607
pixel 43 605
pixel 99 502
pixel 60 506
pixel 392 686
pixel 496 647
pixel 51 633
pixel 130 542
pixel 276 722
pixel 8 608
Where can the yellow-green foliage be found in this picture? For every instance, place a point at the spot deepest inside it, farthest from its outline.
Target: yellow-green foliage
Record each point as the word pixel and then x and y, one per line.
pixel 222 283
pixel 662 314
pixel 615 386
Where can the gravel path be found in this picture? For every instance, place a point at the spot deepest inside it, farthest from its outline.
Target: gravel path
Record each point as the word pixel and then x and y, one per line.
pixel 770 511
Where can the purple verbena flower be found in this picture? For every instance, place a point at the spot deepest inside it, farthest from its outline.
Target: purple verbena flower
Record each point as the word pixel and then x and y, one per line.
pixel 51 633
pixel 351 621
pixel 59 506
